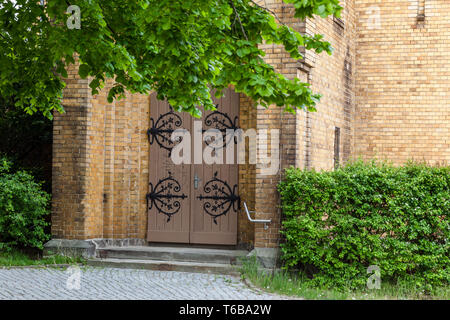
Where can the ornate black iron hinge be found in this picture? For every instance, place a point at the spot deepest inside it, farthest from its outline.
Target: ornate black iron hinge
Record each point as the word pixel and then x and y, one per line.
pixel 220 198
pixel 161 130
pixel 165 196
pixel 222 122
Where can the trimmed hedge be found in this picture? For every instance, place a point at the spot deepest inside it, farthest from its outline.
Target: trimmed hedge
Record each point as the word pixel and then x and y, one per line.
pixel 336 224
pixel 23 208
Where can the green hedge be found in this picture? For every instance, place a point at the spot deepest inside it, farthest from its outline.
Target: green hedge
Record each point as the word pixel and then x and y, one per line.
pixel 23 208
pixel 338 223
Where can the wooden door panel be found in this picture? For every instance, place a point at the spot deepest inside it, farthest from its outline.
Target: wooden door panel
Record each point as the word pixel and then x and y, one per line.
pixel 169 212
pixel 221 226
pixel 217 192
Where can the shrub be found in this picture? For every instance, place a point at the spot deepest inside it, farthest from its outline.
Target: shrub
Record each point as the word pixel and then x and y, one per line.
pixel 23 207
pixel 338 223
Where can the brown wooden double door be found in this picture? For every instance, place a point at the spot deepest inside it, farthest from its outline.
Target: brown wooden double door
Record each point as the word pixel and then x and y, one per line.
pixel 193 203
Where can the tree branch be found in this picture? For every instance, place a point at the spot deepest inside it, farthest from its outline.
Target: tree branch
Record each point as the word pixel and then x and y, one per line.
pixel 239 19
pixel 107 24
pixel 270 11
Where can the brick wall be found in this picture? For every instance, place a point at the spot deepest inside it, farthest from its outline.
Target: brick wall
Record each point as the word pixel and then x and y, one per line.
pixel 403 81
pixel 100 165
pixel 333 77
pixel 247 174
pixel 125 164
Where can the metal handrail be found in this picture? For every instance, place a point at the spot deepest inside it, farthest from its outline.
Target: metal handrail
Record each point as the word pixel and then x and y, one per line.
pixel 256 220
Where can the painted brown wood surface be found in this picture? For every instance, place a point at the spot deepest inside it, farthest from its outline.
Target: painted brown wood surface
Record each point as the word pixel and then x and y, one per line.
pixel 191 224
pixel 203 228
pixel 177 229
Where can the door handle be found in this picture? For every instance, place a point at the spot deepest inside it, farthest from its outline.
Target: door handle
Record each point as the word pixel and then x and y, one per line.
pixel 196 181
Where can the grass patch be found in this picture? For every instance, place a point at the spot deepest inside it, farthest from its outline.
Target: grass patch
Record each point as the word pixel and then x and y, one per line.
pixel 298 285
pixel 16 257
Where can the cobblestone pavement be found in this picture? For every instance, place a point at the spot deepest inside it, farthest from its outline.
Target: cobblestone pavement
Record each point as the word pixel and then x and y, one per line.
pixel 87 283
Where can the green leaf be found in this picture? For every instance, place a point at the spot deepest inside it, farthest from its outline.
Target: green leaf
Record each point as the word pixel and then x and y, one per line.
pixel 83 71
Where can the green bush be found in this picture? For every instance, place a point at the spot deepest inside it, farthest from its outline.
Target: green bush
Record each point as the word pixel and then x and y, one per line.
pixel 338 223
pixel 23 208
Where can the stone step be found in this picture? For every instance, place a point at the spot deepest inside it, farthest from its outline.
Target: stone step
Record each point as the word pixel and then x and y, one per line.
pixel 163 265
pixel 170 254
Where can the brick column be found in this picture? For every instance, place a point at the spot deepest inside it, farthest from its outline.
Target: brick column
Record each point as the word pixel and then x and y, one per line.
pixel 77 163
pixel 266 195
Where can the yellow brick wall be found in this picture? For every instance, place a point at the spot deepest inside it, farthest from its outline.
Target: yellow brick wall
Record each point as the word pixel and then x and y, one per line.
pixel 246 230
pixel 125 164
pixel 403 81
pixel 333 77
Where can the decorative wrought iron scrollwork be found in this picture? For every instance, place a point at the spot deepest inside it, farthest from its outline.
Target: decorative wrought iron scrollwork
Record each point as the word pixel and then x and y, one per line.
pixel 222 122
pixel 161 130
pixel 165 196
pixel 220 197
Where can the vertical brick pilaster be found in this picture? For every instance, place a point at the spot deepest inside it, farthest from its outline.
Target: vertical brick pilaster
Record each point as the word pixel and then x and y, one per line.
pixel 77 163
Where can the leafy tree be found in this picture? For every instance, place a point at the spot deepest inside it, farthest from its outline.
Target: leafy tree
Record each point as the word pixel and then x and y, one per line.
pixel 179 48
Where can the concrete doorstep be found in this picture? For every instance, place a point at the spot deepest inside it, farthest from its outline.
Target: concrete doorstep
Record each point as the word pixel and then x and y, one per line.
pixel 184 259
pixel 161 265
